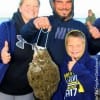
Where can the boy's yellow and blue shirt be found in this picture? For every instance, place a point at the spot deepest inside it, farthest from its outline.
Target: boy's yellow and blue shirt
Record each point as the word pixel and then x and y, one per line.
pixel 78 84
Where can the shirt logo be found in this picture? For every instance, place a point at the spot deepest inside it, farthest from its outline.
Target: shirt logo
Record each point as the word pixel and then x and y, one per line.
pixel 61 32
pixel 73 85
pixel 21 42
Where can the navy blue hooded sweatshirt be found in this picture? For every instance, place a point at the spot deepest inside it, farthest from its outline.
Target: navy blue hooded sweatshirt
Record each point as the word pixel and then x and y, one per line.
pixel 55 43
pixel 78 84
pixel 15 79
pixel 97 45
pixel 96 42
pixel 60 27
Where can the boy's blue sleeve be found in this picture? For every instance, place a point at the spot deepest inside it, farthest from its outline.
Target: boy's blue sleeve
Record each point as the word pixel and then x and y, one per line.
pixel 86 75
pixel 99 77
pixel 59 94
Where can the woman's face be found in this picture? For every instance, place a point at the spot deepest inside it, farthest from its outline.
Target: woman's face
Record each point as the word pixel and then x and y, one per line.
pixel 29 9
pixel 75 47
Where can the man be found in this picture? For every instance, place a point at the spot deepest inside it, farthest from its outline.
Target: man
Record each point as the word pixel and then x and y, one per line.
pixel 58 25
pixel 95 33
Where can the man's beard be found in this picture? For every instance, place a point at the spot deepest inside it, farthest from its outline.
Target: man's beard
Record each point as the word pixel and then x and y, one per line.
pixel 64 18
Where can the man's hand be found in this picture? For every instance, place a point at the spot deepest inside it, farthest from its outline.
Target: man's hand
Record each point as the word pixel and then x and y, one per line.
pixel 42 23
pixel 94 32
pixel 5 55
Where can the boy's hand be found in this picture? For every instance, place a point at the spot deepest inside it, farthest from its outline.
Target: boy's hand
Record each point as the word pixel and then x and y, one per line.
pixel 71 64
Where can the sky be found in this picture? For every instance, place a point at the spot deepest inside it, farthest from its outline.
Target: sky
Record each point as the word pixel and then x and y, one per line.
pixel 82 6
pixel 8 7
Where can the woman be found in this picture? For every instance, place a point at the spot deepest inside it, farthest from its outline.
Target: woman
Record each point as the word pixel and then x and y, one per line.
pixel 17 53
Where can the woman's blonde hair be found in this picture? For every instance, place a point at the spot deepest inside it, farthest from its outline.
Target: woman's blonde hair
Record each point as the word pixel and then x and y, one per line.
pixel 21 2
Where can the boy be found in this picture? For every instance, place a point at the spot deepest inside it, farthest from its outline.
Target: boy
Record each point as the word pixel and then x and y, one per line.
pixel 78 70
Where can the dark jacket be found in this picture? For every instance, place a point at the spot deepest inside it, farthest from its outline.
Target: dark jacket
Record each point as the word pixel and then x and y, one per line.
pixel 96 42
pixel 79 84
pixel 97 23
pixel 15 80
pixel 6 28
pixel 55 43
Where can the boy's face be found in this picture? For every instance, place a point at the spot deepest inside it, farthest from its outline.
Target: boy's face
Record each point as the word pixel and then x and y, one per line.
pixel 75 47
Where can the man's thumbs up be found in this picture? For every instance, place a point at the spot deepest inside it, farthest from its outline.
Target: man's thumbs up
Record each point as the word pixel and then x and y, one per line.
pixel 5 55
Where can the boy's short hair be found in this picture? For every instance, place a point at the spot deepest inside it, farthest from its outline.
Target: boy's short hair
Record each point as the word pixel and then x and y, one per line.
pixel 75 33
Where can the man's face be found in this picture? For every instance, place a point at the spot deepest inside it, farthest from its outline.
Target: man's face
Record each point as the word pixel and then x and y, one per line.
pixel 63 8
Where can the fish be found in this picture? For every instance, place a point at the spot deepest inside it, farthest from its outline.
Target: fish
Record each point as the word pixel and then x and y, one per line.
pixel 43 74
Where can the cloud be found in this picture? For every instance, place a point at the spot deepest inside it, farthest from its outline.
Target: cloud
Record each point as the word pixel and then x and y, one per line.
pixel 81 7
pixel 8 7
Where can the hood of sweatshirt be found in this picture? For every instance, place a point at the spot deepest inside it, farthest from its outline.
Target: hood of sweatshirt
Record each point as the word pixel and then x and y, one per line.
pixel 54 12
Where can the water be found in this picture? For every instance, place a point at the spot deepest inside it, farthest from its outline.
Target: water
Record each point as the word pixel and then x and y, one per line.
pixel 5 19
pixel 81 19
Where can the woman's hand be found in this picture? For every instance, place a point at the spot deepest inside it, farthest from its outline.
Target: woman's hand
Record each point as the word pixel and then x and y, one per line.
pixel 5 55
